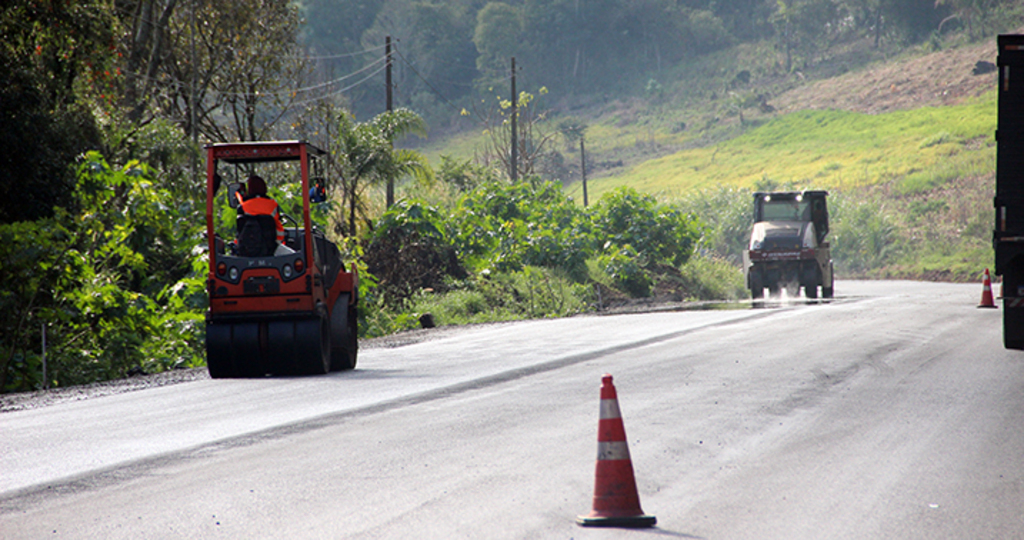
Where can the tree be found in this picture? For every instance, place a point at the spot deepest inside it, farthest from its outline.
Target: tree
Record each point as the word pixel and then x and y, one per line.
pixel 57 63
pixel 248 69
pixel 364 154
pixel 804 27
pixel 497 38
pixel 145 42
pixel 532 137
pixel 441 49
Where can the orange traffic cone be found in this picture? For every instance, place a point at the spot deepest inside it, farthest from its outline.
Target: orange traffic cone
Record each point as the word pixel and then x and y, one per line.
pixel 986 292
pixel 616 502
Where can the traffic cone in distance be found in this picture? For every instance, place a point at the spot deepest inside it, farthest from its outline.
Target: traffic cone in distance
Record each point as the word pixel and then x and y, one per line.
pixel 616 502
pixel 986 293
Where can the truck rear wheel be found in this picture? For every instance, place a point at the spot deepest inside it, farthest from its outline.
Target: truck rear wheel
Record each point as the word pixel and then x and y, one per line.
pixel 811 291
pixel 756 285
pixel 826 292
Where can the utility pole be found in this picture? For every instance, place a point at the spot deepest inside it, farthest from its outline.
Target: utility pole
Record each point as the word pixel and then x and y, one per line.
pixel 389 108
pixel 46 376
pixel 583 169
pixel 192 94
pixel 514 161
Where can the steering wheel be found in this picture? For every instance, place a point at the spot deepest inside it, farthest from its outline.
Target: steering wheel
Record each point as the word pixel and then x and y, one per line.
pixel 293 221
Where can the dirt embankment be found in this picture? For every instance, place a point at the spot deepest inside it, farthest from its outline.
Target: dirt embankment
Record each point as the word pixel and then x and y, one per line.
pixel 941 78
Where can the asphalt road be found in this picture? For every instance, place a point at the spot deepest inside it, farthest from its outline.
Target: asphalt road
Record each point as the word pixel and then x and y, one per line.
pixel 891 412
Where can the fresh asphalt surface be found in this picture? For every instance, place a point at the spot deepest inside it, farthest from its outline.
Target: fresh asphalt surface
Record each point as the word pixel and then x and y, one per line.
pixel 891 412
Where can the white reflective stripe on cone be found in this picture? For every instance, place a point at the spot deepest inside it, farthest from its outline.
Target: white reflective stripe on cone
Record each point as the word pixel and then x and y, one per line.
pixel 607 451
pixel 610 409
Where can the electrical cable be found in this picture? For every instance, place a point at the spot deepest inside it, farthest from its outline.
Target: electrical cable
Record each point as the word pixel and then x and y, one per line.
pixel 457 109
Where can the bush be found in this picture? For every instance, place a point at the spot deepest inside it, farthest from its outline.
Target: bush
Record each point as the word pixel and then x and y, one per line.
pixel 117 284
pixel 503 227
pixel 627 274
pixel 532 292
pixel 709 277
pixel 727 215
pixel 864 235
pixel 656 233
pixel 409 251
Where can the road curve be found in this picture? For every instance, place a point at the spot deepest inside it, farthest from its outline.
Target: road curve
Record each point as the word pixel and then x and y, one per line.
pixel 891 412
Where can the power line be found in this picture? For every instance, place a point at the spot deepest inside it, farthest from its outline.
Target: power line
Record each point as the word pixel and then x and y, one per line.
pixel 342 90
pixel 286 92
pixel 457 109
pixel 337 56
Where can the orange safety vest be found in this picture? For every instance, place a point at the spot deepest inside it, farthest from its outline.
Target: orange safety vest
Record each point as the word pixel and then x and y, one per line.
pixel 259 206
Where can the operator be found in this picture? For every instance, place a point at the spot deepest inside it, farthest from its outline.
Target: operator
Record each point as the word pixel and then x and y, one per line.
pixel 317 193
pixel 256 203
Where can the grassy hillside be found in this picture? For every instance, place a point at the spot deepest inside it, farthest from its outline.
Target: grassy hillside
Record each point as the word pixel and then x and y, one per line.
pixel 904 144
pixel 918 149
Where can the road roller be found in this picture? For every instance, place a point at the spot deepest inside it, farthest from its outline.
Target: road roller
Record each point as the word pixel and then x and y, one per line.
pixel 280 304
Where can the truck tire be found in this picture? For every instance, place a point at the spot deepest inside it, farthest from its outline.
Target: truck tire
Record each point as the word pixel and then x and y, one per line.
pixel 756 286
pixel 826 292
pixel 811 291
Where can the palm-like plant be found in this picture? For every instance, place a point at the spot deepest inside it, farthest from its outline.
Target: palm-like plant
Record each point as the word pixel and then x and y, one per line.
pixel 365 155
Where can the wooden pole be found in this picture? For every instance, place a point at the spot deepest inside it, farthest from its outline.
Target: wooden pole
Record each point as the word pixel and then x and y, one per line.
pixel 514 161
pixel 583 169
pixel 389 107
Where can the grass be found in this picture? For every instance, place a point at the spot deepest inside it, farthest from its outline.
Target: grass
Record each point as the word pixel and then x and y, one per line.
pixel 830 149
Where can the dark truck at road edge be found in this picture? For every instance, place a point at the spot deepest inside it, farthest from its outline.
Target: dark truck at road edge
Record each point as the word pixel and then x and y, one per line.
pixel 1008 236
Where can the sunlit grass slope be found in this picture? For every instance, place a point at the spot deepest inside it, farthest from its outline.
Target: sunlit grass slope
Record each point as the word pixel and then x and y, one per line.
pixel 830 149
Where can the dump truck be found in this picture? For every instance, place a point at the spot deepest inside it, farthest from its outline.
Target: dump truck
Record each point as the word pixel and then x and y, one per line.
pixel 276 307
pixel 1008 234
pixel 788 247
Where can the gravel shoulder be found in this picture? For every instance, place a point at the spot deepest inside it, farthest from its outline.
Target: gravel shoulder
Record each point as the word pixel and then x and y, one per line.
pixel 44 398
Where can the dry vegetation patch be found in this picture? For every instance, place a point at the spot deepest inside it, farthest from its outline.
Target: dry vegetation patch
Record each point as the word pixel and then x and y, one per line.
pixel 936 79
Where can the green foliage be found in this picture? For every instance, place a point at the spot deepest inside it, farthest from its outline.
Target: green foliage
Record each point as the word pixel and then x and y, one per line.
pixel 39 138
pixel 364 153
pixel 464 176
pixel 657 233
pixel 526 248
pixel 532 292
pixel 864 235
pixel 709 277
pixel 727 215
pixel 496 37
pixel 622 265
pixel 115 284
pixel 503 227
pixel 410 250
